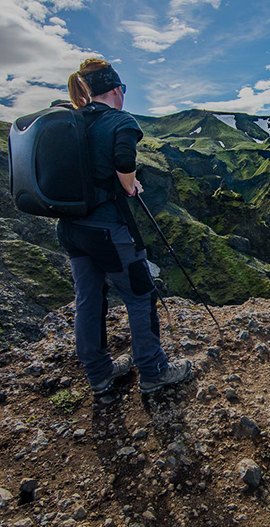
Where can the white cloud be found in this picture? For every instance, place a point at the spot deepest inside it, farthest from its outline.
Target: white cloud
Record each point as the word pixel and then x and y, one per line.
pixel 149 37
pixel 67 4
pixel 262 85
pixel 175 86
pixel 158 61
pixel 180 88
pixel 57 20
pixel 31 99
pixel 116 61
pixel 33 53
pixel 267 67
pixel 36 10
pixel 11 88
pixel 178 6
pixel 247 101
pixel 56 29
pixel 163 110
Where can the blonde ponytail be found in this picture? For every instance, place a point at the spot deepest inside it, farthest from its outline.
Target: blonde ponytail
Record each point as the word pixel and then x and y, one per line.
pixel 78 90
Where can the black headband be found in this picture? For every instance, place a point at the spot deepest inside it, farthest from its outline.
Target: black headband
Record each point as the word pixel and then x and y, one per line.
pixel 102 81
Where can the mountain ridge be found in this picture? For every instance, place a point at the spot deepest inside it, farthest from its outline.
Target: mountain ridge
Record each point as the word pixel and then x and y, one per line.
pixel 242 120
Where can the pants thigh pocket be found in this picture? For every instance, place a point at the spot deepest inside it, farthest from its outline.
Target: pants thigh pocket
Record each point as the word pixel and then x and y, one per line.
pixel 140 278
pixel 97 242
pixel 64 240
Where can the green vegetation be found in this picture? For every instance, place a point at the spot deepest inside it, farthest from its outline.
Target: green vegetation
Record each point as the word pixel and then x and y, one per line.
pixel 37 272
pixel 185 124
pixel 222 274
pixel 185 184
pixel 67 400
pixel 29 252
pixel 227 195
pixel 4 131
pixel 149 154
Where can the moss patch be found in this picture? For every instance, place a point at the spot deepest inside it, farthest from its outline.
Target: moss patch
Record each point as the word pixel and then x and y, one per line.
pixel 4 131
pixel 67 400
pixel 40 279
pixel 221 274
pixel 149 154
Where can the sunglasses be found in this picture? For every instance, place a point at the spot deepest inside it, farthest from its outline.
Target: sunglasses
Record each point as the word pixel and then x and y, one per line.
pixel 123 87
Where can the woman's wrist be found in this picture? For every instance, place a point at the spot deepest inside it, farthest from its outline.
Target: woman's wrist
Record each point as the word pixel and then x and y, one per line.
pixel 132 194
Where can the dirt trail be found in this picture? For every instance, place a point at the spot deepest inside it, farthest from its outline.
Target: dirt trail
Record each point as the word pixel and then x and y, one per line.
pixel 169 459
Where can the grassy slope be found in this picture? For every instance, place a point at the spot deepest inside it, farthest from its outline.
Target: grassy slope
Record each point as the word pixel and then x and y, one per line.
pixel 183 123
pixel 223 273
pixel 4 130
pixel 32 269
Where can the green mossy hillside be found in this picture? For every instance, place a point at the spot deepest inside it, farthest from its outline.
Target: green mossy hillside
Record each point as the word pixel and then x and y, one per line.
pixel 4 131
pixel 192 193
pixel 242 161
pixel 149 153
pixel 42 274
pixel 222 274
pixel 35 275
pixel 221 240
pixel 186 123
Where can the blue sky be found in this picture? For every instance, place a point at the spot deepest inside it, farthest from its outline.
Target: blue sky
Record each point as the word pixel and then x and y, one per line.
pixel 173 56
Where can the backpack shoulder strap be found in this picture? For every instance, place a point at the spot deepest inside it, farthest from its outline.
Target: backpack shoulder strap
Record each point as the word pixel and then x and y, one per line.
pixel 91 115
pixel 123 206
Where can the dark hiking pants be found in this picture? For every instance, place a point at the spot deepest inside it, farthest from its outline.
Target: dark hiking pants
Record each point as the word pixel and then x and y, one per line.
pixel 101 250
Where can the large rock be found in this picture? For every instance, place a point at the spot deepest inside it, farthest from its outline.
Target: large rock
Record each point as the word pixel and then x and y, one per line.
pixel 249 427
pixel 249 472
pixel 28 485
pixel 5 497
pixel 80 513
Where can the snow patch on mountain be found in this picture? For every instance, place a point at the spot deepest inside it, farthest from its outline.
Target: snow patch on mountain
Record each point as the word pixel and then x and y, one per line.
pixel 264 124
pixel 192 145
pixel 197 131
pixel 226 119
pixel 257 140
pixel 222 144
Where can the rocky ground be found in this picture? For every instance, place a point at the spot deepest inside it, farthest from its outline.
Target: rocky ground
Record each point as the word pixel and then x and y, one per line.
pixel 191 455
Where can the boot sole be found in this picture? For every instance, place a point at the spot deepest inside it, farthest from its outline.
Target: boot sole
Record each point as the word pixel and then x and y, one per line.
pixel 111 383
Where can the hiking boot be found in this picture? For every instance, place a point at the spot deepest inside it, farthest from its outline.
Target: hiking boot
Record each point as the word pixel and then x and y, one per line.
pixel 176 372
pixel 121 366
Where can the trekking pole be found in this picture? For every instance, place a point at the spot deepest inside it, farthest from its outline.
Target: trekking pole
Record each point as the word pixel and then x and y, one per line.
pixel 165 307
pixel 171 250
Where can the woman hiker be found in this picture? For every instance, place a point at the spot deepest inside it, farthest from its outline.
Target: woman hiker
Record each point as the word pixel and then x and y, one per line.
pixel 101 246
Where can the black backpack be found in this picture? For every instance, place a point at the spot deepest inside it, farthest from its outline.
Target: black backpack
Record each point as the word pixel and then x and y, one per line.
pixel 50 170
pixel 50 161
